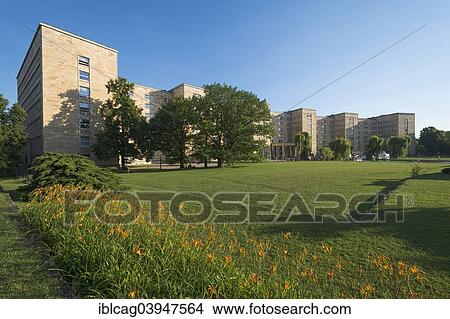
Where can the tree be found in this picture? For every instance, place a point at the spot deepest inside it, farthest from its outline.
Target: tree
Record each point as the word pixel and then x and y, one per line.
pixel 398 146
pixel 303 145
pixel 122 119
pixel 433 140
pixel 421 150
pixel 341 148
pixel 326 153
pixel 240 123
pixel 13 136
pixel 172 129
pixel 203 128
pixel 70 169
pixel 375 146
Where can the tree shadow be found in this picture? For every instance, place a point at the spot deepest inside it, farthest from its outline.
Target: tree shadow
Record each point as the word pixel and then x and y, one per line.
pixel 63 131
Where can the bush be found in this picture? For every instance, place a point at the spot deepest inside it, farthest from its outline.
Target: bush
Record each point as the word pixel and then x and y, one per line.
pixel 69 169
pixel 326 153
pixel 446 170
pixel 416 168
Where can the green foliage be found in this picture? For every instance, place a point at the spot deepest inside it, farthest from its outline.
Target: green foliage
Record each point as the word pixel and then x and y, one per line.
pixel 416 169
pixel 326 153
pixel 435 142
pixel 121 131
pixel 240 123
pixel 374 147
pixel 13 136
pixel 171 129
pixel 303 145
pixel 421 149
pixel 398 146
pixel 70 169
pixel 341 148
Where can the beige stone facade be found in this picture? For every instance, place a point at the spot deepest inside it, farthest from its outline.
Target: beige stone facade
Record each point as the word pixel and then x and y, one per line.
pixel 334 126
pixel 61 85
pixel 287 126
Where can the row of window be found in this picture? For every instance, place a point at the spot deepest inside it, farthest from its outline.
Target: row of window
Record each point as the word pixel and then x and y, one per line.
pixel 85 106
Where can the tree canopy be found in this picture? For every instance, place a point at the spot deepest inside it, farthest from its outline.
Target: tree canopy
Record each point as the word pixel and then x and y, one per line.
pixel 398 146
pixel 375 146
pixel 303 145
pixel 341 148
pixel 434 141
pixel 119 133
pixel 13 136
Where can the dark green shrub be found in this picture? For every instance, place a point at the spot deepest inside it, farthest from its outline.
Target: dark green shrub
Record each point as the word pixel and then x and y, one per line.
pixel 446 170
pixel 70 169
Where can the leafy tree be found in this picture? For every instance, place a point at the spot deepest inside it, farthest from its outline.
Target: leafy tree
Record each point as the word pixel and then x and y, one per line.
pixel 398 146
pixel 375 146
pixel 341 148
pixel 240 123
pixel 172 129
pixel 13 136
pixel 303 145
pixel 327 153
pixel 122 119
pixel 70 169
pixel 421 150
pixel 203 126
pixel 433 140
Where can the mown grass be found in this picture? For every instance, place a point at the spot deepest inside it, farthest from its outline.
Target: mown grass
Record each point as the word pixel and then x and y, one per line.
pixel 24 271
pixel 390 260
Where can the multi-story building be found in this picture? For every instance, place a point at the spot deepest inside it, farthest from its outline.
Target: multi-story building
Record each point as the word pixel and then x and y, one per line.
pixel 61 85
pixel 334 126
pixel 385 126
pixel 287 126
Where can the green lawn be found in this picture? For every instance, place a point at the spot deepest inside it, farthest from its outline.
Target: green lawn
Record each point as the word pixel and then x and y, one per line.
pixel 311 260
pixel 423 239
pixel 24 271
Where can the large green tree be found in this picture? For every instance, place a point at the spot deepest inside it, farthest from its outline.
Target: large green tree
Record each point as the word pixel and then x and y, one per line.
pixel 204 130
pixel 303 145
pixel 172 129
pixel 240 123
pixel 374 146
pixel 434 141
pixel 13 136
pixel 398 145
pixel 341 148
pixel 118 135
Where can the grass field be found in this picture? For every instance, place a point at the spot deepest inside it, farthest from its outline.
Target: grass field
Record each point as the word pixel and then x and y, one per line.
pixel 24 272
pixel 409 259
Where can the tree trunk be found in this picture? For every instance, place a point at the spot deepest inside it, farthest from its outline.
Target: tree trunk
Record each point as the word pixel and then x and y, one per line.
pixel 219 162
pixel 205 162
pixel 122 162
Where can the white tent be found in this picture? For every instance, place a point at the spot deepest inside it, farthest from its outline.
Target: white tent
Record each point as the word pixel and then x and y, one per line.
pixel 384 156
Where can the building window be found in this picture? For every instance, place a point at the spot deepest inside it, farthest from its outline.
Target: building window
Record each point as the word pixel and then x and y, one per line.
pixel 84 91
pixel 196 95
pixel 147 96
pixel 84 75
pixel 147 106
pixel 85 141
pixel 83 60
pixel 84 123
pixel 85 106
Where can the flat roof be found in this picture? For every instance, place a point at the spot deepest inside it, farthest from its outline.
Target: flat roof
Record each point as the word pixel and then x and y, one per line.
pixel 186 84
pixel 42 24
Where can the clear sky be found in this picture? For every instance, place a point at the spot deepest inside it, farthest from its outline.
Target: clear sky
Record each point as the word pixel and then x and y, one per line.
pixel 281 50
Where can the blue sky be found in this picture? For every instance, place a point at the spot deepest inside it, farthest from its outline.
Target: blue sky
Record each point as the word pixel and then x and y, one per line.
pixel 281 50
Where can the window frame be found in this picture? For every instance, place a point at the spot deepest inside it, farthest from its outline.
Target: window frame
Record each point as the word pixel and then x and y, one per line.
pixel 88 139
pixel 86 74
pixel 88 91
pixel 84 60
